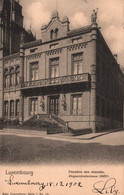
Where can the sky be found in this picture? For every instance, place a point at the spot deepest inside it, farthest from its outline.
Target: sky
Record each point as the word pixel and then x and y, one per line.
pixel 110 18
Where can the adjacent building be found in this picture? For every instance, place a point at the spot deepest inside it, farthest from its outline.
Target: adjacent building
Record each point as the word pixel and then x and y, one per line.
pixel 70 74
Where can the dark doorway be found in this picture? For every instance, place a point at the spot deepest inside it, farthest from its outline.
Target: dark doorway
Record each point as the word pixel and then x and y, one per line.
pixel 54 105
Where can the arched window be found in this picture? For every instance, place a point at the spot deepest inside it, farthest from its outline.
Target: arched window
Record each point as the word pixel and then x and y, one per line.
pixel 56 33
pixel 12 108
pixel 6 80
pixel 6 108
pixel 17 108
pixel 12 77
pixel 17 75
pixel 51 34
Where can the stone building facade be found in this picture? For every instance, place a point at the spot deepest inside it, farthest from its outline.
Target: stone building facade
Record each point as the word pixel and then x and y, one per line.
pixel 70 74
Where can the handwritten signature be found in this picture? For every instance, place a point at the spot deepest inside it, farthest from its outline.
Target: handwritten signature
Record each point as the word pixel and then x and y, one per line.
pixel 108 187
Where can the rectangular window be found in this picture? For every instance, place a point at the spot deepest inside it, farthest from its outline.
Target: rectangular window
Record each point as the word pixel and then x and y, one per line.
pixel 34 71
pixel 54 67
pixel 76 104
pixel 77 63
pixel 33 106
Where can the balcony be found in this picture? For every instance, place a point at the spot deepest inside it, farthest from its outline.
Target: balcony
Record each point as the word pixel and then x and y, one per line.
pixel 79 78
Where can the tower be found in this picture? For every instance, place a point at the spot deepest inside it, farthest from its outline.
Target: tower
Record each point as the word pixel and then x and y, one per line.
pixel 11 30
pixel 11 26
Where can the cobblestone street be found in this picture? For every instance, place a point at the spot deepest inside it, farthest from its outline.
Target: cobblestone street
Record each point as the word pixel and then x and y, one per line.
pixel 62 149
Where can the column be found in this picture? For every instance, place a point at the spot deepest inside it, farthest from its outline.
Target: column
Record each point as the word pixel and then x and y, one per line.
pixel 93 79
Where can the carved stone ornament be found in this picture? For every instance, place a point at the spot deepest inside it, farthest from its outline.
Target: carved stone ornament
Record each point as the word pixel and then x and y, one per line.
pixel 64 104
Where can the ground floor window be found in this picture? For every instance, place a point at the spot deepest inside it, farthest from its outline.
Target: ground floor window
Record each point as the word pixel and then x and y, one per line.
pixel 76 104
pixel 33 106
pixel 6 108
pixel 17 108
pixel 12 108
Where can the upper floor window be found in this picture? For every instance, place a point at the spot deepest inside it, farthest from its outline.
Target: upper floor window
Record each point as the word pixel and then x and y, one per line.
pixel 51 34
pixel 12 77
pixel 56 33
pixel 77 62
pixel 34 71
pixel 17 75
pixel 7 78
pixel 76 104
pixel 54 67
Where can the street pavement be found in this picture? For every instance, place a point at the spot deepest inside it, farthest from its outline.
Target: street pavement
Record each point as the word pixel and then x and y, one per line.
pixel 36 147
pixel 110 137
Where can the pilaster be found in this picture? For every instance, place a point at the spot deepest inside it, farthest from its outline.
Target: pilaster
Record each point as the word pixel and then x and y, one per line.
pixel 21 110
pixel 93 79
pixel 21 64
pixel 1 82
pixel 21 113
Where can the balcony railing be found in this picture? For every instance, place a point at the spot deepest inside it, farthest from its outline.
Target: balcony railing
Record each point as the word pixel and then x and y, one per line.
pixel 85 77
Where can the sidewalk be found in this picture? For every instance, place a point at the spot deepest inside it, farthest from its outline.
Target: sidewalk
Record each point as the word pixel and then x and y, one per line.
pixel 43 134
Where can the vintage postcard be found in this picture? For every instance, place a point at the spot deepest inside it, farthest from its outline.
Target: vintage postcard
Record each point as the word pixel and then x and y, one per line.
pixel 61 97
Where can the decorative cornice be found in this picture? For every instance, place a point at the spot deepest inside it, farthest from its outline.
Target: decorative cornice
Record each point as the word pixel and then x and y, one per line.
pixel 33 56
pixel 12 62
pixel 55 51
pixel 77 46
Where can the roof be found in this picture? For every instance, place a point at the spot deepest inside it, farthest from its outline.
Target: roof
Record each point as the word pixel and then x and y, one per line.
pixel 32 43
pixel 1 5
pixel 79 30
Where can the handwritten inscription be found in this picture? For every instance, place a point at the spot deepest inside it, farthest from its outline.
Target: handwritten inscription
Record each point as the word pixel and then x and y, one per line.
pixel 108 187
pixel 42 185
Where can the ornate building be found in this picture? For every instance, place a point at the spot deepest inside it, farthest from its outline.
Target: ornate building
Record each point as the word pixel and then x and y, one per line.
pixel 69 74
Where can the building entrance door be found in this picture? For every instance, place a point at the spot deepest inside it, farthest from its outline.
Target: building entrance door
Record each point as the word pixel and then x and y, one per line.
pixel 54 105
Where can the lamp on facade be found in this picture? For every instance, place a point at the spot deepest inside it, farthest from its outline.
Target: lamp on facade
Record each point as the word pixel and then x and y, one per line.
pixel 64 104
pixel 42 104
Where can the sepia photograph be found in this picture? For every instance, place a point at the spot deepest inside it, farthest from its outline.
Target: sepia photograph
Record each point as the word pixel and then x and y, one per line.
pixel 61 97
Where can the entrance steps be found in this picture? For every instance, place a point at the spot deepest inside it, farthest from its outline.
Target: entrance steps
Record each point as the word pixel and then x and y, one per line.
pixel 48 122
